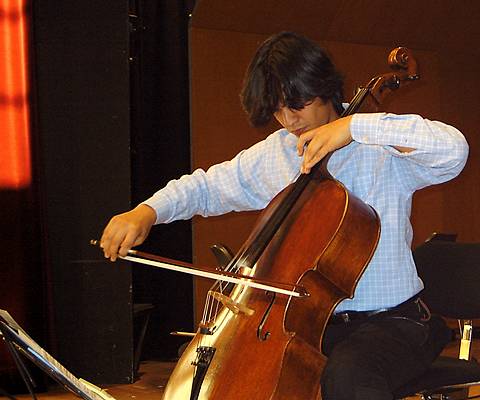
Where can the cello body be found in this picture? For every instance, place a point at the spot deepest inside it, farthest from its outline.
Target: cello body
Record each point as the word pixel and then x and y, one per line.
pixel 333 236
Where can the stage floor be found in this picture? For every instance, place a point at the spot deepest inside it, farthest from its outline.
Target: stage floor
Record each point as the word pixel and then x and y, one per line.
pixel 153 376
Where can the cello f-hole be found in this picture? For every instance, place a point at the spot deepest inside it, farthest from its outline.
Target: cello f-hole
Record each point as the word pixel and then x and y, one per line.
pixel 260 334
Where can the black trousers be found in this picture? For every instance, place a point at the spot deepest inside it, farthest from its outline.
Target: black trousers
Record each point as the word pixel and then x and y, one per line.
pixel 369 357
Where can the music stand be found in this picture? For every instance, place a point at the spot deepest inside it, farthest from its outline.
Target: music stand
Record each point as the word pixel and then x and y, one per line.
pixel 18 342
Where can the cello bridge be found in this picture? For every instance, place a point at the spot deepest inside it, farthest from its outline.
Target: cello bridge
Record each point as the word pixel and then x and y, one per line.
pixel 231 304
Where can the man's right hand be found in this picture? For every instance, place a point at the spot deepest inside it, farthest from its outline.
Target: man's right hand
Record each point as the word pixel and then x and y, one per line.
pixel 127 230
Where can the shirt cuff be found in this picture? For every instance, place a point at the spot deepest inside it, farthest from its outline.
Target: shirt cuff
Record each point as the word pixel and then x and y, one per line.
pixel 161 205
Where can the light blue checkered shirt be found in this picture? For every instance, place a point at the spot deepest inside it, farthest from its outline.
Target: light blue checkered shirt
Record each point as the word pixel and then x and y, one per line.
pixel 369 167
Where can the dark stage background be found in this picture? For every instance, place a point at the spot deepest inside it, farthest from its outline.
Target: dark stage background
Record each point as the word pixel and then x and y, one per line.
pixel 110 126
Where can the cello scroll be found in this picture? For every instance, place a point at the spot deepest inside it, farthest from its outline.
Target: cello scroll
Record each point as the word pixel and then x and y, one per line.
pixel 404 66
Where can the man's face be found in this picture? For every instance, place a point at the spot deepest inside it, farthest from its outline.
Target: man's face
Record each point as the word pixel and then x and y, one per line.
pixel 313 115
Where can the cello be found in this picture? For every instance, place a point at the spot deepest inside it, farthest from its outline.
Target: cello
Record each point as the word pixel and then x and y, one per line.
pixel 261 344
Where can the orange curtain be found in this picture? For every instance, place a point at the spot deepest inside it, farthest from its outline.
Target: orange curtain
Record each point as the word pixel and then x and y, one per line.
pixel 15 161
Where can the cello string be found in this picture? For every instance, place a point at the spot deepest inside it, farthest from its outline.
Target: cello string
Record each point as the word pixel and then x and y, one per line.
pixel 211 301
pixel 206 309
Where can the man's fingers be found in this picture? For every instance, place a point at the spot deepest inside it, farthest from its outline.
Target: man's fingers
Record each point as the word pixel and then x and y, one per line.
pixel 114 236
pixel 112 248
pixel 131 239
pixel 303 141
pixel 314 152
pixel 307 165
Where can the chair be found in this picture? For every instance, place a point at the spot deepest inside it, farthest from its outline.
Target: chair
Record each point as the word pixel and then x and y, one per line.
pixel 451 274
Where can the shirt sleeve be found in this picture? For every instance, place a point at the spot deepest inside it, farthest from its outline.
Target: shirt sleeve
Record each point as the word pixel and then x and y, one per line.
pixel 241 184
pixel 440 150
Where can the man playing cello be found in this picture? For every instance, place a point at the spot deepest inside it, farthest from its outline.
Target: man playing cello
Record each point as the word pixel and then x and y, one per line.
pixel 384 336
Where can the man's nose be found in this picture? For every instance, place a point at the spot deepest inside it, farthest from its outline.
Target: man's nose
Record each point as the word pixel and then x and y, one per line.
pixel 290 117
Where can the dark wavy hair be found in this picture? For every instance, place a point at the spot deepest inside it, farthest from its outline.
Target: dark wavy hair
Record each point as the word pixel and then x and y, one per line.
pixel 291 70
